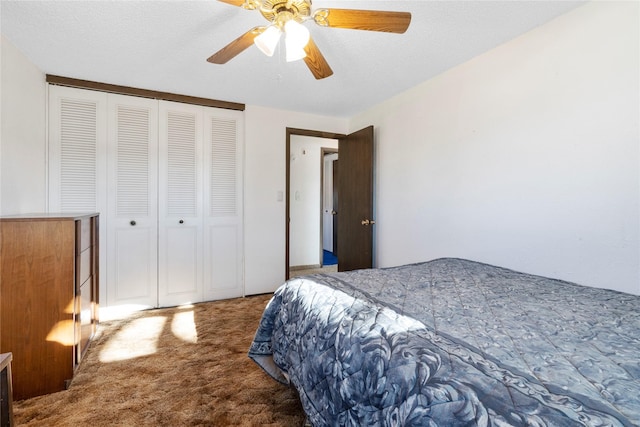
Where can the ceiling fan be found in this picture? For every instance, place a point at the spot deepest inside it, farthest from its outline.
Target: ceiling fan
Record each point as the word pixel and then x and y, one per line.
pixel 287 16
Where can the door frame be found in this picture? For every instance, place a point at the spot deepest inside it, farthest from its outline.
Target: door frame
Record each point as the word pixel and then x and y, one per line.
pixel 301 132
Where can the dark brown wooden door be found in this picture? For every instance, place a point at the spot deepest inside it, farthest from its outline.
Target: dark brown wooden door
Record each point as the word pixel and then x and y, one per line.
pixel 334 212
pixel 355 204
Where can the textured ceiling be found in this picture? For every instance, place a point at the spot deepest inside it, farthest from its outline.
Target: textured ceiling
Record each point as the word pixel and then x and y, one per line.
pixel 163 45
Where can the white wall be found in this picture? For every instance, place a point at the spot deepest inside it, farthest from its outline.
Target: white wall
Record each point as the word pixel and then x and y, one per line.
pixel 23 96
pixel 525 157
pixel 305 199
pixel 265 176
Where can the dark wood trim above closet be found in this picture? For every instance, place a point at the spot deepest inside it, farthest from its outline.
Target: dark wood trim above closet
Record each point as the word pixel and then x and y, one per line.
pixel 143 93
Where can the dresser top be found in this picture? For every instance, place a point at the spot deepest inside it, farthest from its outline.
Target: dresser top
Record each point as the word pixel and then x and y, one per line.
pixel 48 216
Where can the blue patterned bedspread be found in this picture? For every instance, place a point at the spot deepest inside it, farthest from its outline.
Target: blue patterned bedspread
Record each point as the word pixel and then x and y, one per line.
pixel 453 342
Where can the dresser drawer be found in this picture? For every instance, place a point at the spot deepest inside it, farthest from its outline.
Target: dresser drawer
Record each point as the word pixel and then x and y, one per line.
pixel 86 319
pixel 84 266
pixel 84 235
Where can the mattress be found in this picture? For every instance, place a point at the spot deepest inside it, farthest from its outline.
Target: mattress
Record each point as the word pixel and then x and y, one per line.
pixel 453 342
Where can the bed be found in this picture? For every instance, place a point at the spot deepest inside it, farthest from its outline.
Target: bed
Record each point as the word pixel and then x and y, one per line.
pixel 453 342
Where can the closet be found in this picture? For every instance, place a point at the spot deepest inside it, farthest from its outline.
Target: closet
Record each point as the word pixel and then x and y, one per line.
pixel 167 180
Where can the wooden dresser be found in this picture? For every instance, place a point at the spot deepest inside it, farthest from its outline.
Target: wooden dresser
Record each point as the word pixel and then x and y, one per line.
pixel 48 297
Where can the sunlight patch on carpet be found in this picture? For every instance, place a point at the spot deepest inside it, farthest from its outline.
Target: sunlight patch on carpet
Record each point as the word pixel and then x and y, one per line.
pixel 183 326
pixel 121 311
pixel 137 339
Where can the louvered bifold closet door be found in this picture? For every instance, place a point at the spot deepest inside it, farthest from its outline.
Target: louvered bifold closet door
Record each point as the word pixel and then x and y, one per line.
pixel 223 251
pixel 77 158
pixel 180 211
pixel 132 257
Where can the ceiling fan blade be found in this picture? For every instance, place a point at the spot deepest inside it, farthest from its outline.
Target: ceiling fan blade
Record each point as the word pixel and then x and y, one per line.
pixel 238 3
pixel 370 20
pixel 316 62
pixel 234 48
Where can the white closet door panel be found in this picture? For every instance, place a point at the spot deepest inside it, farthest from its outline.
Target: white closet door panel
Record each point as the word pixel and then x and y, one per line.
pixel 132 259
pixel 180 204
pixel 224 143
pixel 182 272
pixel 224 265
pixel 133 278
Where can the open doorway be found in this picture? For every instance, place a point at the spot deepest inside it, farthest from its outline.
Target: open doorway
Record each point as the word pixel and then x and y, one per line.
pixel 309 203
pixel 355 183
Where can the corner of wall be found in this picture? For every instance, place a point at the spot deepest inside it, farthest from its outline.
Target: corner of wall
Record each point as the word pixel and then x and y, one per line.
pixel 23 101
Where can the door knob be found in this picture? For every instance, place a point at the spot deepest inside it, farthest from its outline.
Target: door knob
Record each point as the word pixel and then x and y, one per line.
pixel 181 221
pixel 367 222
pixel 334 213
pixel 132 222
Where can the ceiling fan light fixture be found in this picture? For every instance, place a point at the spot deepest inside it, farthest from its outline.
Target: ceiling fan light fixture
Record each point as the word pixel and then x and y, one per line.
pixel 295 53
pixel 296 38
pixel 297 35
pixel 268 40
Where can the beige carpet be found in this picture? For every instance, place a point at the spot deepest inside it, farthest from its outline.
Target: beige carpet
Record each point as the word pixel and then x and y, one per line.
pixel 183 366
pixel 304 271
